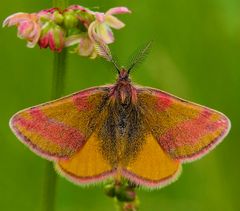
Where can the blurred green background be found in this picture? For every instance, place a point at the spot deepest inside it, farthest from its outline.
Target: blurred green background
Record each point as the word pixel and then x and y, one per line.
pixel 196 55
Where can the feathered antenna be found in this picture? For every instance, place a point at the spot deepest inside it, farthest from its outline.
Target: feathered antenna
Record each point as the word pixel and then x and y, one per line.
pixel 104 51
pixel 139 56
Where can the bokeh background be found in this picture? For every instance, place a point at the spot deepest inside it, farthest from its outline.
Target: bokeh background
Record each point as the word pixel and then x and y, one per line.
pixel 195 55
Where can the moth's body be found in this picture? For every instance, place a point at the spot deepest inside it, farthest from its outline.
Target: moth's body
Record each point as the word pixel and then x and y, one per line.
pixel 120 130
pixel 123 124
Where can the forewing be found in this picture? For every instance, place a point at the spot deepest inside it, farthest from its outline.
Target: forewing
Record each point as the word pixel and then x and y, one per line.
pixel 186 131
pixel 60 128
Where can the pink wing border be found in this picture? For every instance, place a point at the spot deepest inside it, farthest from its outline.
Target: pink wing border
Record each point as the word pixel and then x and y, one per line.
pixel 102 178
pixel 85 181
pixel 31 146
pixel 149 184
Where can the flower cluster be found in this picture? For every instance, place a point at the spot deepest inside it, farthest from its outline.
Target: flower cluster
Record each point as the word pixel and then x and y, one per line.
pixel 75 26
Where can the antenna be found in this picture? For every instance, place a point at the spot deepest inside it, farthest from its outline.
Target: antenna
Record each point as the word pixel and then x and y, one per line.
pixel 103 50
pixel 139 56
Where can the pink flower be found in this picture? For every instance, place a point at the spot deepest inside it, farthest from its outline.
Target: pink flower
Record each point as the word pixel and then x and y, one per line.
pixel 101 27
pixel 52 36
pixel 85 46
pixel 28 26
pixel 99 31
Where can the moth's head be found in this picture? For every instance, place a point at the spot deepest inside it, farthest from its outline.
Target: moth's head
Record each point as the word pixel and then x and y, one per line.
pixel 123 74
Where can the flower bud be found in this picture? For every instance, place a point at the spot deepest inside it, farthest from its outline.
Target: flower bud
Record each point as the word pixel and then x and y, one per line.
pixel 124 194
pixel 109 190
pixel 70 19
pixel 52 36
pixel 58 17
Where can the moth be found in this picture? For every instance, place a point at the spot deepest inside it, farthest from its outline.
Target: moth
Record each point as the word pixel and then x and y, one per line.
pixel 120 131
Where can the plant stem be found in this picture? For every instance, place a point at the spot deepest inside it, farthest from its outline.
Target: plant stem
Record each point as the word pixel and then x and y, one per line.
pixel 49 187
pixel 59 69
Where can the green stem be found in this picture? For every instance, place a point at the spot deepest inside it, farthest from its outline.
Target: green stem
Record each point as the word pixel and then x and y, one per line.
pixel 49 187
pixel 59 69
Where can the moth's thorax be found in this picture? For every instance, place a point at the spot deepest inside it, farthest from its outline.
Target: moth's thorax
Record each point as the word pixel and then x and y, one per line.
pixel 123 91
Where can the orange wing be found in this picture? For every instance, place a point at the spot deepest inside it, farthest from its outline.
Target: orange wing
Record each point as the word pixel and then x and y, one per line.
pixel 152 167
pixel 60 128
pixel 87 165
pixel 184 130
